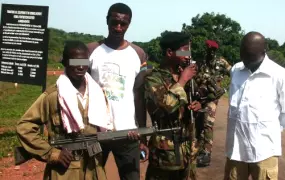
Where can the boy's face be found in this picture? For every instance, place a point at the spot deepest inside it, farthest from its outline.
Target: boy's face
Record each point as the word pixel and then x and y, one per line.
pixel 76 66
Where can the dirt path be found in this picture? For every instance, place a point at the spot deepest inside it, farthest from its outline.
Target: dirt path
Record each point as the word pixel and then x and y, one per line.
pixel 33 170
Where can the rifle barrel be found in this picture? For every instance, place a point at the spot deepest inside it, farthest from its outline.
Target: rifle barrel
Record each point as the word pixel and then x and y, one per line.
pixel 112 135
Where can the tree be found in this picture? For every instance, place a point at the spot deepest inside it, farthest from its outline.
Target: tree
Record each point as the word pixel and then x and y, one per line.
pixel 272 44
pixel 282 49
pixel 277 56
pixel 58 37
pixel 154 51
pixel 142 45
pixel 153 48
pixel 225 31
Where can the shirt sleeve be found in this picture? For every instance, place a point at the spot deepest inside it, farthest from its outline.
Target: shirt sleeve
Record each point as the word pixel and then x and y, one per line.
pixel 169 99
pixel 230 93
pixel 143 61
pixel 28 130
pixel 281 93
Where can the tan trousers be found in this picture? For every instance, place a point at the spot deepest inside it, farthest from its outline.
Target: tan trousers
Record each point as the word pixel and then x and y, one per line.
pixel 264 170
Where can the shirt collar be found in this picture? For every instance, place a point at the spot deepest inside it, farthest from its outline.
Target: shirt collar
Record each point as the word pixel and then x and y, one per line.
pixel 165 73
pixel 264 68
pixel 86 93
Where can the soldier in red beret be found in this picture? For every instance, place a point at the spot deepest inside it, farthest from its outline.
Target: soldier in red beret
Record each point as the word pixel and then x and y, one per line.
pixel 217 67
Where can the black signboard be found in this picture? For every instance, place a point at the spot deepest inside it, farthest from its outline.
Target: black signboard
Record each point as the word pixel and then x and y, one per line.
pixel 24 44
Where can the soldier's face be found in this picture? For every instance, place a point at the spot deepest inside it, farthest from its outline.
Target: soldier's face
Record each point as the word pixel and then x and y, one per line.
pixel 211 52
pixel 180 60
pixel 77 70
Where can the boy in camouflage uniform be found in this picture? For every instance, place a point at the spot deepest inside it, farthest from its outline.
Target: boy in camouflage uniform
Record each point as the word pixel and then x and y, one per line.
pixel 217 68
pixel 46 110
pixel 166 93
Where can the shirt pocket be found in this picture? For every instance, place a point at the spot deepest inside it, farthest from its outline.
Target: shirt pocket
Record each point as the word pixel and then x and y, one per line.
pixel 257 101
pixel 272 174
pixel 259 105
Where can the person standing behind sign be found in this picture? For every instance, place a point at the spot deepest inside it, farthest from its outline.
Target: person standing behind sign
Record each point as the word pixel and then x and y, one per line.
pixel 67 108
pixel 115 63
pixel 256 111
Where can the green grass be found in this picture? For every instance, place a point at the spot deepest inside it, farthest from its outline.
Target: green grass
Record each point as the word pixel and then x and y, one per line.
pixel 8 140
pixel 13 104
pixel 55 66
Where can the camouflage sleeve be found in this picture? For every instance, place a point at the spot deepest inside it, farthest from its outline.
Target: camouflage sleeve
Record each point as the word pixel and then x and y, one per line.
pixel 227 67
pixel 28 130
pixel 169 99
pixel 227 70
pixel 215 91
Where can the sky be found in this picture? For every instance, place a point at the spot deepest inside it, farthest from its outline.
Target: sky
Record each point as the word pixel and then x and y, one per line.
pixel 151 17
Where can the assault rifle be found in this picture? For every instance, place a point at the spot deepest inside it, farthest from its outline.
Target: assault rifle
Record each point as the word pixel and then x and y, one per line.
pixel 91 143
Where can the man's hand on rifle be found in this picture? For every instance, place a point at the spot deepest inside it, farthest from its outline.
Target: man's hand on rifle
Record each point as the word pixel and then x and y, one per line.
pixel 65 158
pixel 133 135
pixel 195 106
pixel 62 157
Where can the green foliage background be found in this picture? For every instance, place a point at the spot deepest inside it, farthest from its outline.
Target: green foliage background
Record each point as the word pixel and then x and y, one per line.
pixel 226 31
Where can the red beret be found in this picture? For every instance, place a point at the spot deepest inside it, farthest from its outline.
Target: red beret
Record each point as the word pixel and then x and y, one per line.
pixel 212 44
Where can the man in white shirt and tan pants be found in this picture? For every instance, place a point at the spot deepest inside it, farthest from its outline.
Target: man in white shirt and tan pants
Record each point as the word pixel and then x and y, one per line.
pixel 256 113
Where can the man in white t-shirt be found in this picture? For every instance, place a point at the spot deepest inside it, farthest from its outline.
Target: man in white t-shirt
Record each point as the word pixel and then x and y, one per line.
pixel 114 64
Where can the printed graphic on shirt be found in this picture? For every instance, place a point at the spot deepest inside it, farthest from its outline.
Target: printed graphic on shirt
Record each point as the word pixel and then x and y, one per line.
pixel 112 81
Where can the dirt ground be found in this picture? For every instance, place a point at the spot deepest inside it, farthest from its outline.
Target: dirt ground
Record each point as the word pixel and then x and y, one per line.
pixel 33 170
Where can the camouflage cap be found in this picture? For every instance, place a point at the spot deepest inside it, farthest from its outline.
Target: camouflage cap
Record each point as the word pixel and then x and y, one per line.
pixel 174 40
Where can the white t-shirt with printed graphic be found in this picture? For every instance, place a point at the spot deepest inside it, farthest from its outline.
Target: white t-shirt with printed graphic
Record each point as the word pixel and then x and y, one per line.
pixel 115 71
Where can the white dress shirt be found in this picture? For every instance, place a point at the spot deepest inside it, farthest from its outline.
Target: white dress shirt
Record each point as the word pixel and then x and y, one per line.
pixel 256 112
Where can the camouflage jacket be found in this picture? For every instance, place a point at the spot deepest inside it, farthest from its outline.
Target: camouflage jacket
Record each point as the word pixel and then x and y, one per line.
pixel 45 111
pixel 166 102
pixel 208 80
pixel 216 67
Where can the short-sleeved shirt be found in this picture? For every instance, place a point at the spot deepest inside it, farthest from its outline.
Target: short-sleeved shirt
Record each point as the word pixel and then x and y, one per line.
pixel 115 71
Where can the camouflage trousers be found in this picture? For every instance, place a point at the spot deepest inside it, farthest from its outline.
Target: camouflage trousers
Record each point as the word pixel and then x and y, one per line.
pixel 188 173
pixel 205 126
